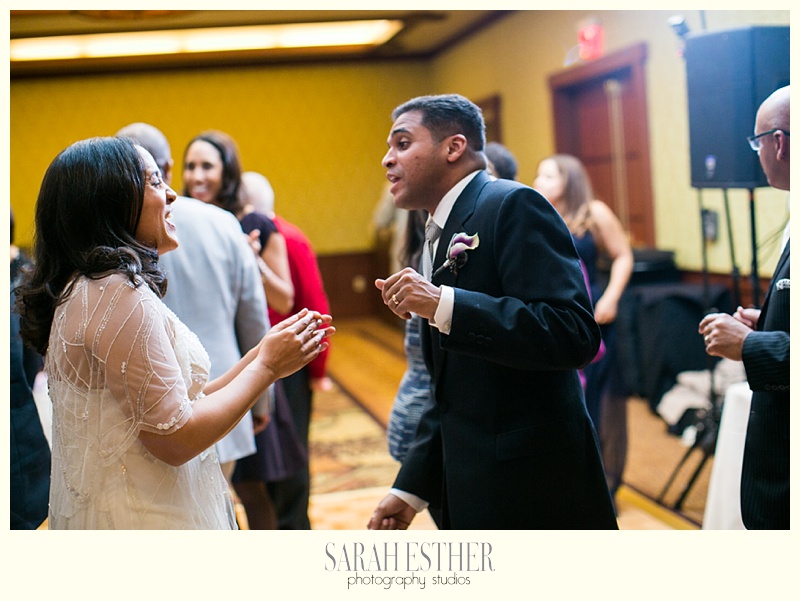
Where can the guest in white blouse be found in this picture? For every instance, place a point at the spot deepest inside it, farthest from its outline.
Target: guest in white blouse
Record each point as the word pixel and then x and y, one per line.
pixel 134 415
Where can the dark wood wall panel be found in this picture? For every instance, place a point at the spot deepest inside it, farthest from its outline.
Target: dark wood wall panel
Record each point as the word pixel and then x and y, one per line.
pixel 349 281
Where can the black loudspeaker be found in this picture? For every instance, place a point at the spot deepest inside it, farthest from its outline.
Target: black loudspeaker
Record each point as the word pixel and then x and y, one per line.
pixel 729 74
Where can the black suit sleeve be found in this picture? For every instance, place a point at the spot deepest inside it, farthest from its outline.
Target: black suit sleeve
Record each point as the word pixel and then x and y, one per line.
pixel 521 299
pixel 766 361
pixel 765 353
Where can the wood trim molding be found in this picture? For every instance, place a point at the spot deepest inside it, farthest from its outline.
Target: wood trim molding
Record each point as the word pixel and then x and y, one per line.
pixel 349 277
pixel 634 55
pixel 566 87
pixel 745 285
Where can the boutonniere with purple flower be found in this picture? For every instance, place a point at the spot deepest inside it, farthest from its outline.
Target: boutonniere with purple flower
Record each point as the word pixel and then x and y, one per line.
pixel 457 252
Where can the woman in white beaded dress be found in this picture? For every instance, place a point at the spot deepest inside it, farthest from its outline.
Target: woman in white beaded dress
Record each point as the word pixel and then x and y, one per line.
pixel 134 417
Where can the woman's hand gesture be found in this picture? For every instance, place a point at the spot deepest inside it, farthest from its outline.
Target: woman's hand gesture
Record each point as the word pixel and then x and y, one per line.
pixel 294 342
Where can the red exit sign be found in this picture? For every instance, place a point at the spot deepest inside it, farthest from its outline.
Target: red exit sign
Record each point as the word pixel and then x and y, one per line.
pixel 590 41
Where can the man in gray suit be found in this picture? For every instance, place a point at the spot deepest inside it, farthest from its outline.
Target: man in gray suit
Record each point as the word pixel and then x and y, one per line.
pixel 214 288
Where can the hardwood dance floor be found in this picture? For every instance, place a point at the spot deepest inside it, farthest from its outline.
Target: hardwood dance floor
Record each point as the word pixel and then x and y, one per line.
pixel 352 470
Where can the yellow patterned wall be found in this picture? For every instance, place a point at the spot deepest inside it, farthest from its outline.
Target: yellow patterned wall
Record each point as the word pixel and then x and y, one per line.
pixel 318 132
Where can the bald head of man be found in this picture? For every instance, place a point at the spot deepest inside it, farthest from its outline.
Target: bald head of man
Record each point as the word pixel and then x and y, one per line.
pixel 258 192
pixel 772 132
pixel 153 141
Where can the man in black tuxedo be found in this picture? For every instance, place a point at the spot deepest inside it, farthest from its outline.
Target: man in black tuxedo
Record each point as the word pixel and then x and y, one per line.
pixel 506 443
pixel 760 339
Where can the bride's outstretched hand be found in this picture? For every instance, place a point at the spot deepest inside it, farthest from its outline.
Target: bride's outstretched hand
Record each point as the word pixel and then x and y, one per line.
pixel 294 342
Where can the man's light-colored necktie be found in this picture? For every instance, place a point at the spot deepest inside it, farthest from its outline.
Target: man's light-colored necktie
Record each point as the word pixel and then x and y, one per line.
pixel 432 233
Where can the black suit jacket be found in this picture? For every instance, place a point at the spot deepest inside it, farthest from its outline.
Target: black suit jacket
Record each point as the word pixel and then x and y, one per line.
pixel 507 442
pixel 30 452
pixel 765 469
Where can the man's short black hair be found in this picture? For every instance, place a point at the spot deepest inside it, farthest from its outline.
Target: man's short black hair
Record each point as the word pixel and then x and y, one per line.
pixel 446 115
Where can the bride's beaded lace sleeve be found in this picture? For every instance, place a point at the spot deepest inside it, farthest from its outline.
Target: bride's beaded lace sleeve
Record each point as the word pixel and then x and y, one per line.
pixel 109 336
pixel 120 362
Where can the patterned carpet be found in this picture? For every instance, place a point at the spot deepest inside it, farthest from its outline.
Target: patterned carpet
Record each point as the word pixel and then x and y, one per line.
pixel 351 470
pixel 347 446
pixel 653 455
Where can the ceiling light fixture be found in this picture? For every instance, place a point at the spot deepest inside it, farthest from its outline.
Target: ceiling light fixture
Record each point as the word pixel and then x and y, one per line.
pixel 219 39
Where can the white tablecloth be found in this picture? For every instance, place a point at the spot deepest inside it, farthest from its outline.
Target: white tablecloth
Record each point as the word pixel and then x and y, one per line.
pixel 723 508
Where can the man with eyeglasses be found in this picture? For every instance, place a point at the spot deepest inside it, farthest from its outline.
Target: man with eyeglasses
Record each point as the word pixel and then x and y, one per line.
pixel 760 339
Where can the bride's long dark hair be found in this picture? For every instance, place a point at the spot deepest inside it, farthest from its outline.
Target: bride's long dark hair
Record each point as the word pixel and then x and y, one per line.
pixel 87 213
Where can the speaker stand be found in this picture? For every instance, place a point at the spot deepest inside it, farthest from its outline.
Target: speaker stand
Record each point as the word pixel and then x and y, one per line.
pixel 705 441
pixel 754 246
pixel 737 293
pixel 708 428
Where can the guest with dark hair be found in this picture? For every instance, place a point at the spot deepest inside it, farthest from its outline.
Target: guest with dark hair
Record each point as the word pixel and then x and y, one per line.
pixel 502 163
pixel 212 173
pixel 134 415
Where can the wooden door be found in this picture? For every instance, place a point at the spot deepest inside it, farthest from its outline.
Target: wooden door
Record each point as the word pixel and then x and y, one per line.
pixel 600 113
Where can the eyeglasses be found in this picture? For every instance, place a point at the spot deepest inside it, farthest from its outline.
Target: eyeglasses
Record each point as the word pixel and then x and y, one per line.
pixel 755 141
